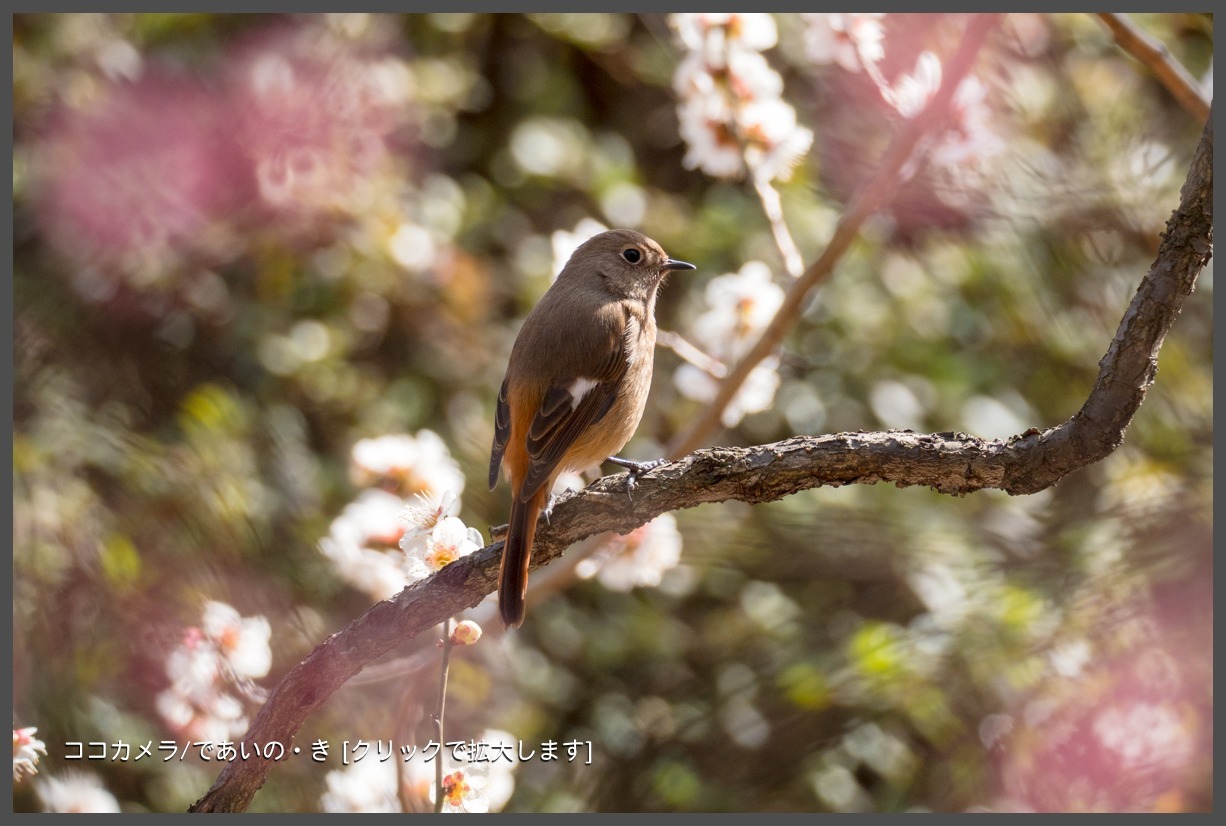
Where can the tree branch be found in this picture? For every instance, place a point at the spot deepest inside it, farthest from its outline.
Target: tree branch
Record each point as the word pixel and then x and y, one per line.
pixel 1153 54
pixel 954 463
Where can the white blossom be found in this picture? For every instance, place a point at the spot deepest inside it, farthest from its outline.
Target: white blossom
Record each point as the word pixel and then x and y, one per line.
pixel 913 90
pixel 740 306
pixel 26 749
pixel 212 663
pixel 365 785
pixel 637 559
pixel 729 109
pixel 854 41
pixel 76 792
pixel 412 464
pixel 363 543
pixel 755 31
pixel 968 135
pixel 242 641
pixel 422 516
pixel 502 758
pixel 755 394
pixel 449 541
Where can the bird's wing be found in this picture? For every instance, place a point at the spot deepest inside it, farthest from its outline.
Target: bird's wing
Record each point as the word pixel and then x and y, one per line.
pixel 572 404
pixel 502 432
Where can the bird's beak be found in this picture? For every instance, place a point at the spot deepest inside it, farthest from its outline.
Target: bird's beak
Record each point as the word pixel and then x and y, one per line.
pixel 673 264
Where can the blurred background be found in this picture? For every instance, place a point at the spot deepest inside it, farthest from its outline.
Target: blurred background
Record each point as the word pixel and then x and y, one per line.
pixel 267 274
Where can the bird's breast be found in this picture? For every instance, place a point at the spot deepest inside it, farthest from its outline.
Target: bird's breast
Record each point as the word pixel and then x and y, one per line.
pixel 609 435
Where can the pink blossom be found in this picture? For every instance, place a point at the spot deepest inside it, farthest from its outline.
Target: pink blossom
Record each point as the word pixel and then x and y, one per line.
pixel 142 174
pixel 314 118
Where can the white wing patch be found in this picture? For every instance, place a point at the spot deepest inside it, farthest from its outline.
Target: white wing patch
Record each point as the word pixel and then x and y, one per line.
pixel 630 338
pixel 579 388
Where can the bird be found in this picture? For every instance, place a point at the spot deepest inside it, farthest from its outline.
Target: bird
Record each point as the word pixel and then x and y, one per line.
pixel 575 386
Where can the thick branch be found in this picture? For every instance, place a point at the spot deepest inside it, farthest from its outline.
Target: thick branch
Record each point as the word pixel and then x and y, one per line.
pixel 951 463
pixel 1153 54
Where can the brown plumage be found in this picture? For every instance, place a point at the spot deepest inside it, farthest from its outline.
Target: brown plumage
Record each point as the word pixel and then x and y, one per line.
pixel 576 383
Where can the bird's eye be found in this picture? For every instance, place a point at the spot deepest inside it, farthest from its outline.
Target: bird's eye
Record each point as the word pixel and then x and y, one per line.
pixel 632 255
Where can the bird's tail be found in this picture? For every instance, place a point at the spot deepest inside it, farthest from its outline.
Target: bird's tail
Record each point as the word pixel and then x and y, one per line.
pixel 516 553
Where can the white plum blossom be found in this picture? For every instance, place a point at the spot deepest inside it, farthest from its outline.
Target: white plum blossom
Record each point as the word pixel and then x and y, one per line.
pixel 968 135
pixel 755 394
pixel 363 543
pixel 382 456
pixel 76 792
pixel 747 77
pixel 854 41
pixel 480 774
pixel 637 559
pixel 499 751
pixel 466 784
pixel 754 31
pixel 448 541
pixel 408 464
pixel 464 790
pixel 710 144
pixel 242 642
pixel 422 517
pixel 740 306
pixel 195 669
pixel 479 777
pixel 914 89
pixel 729 109
pixel 367 542
pixel 26 749
pixel 365 785
pixel 214 717
pixel 780 144
pixel 209 665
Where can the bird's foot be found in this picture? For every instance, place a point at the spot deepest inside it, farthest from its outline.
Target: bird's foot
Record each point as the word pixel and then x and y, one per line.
pixel 547 511
pixel 634 470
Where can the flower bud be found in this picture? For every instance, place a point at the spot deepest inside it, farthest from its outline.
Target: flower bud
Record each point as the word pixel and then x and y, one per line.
pixel 465 632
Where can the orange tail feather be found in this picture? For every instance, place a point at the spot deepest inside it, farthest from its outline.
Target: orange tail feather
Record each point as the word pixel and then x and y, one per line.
pixel 516 554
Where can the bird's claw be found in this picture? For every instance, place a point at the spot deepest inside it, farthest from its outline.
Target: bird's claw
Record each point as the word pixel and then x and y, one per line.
pixel 634 470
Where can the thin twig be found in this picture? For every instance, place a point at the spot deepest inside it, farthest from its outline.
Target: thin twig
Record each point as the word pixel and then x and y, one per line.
pixel 438 717
pixel 768 196
pixel 694 355
pixel 871 197
pixel 1154 55
pixel 409 703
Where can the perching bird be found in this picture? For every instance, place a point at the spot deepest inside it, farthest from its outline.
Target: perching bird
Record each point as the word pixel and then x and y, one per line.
pixel 576 384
